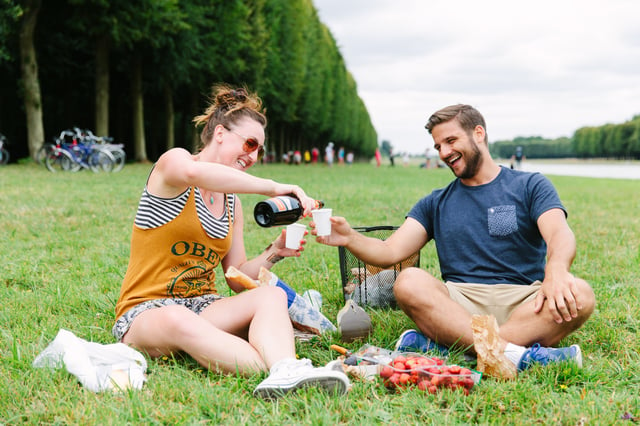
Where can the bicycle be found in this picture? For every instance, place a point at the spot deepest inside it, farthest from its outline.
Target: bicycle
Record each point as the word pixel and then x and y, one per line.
pixel 117 150
pixel 70 153
pixel 58 159
pixel 4 153
pixel 44 151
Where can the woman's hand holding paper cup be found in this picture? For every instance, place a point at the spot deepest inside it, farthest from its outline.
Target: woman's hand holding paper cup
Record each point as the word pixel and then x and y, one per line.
pixel 281 246
pixel 295 234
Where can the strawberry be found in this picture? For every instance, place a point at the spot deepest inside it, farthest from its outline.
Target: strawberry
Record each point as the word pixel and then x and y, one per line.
pixel 386 372
pixel 404 379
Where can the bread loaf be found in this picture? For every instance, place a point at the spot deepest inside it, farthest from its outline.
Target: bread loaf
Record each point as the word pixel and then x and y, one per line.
pixel 238 277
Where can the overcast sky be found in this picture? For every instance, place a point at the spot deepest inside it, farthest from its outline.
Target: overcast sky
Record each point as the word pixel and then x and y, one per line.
pixel 534 68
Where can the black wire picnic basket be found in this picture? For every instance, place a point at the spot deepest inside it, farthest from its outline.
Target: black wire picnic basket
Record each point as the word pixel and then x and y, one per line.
pixel 369 285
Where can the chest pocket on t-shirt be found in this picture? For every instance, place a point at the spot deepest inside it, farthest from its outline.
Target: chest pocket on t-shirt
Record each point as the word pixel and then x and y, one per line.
pixel 502 220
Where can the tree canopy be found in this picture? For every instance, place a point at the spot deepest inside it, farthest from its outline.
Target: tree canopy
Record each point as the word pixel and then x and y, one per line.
pixel 619 141
pixel 139 71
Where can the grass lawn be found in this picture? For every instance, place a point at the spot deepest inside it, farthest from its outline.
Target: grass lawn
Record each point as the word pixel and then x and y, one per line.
pixel 65 245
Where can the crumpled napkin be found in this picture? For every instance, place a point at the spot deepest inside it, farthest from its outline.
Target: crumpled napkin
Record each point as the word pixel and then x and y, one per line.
pixel 98 367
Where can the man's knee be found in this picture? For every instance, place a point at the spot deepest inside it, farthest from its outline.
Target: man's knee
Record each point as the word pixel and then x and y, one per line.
pixel 412 282
pixel 405 282
pixel 586 298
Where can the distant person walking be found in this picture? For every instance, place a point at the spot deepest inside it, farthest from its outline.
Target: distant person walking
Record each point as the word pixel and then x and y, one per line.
pixel 516 159
pixel 349 158
pixel 328 154
pixel 378 157
pixel 297 157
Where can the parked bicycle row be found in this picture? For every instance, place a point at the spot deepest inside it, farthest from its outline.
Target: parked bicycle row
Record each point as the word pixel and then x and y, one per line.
pixel 77 149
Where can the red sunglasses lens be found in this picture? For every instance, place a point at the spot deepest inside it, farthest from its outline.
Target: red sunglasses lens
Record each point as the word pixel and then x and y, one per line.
pixel 251 145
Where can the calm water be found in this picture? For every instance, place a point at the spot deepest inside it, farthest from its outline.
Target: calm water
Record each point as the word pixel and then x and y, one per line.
pixel 616 170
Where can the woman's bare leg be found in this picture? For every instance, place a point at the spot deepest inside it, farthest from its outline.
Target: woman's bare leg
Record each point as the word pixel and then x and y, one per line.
pixel 244 333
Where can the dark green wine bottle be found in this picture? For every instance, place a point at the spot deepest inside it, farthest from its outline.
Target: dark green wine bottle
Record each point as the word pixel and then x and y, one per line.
pixel 281 210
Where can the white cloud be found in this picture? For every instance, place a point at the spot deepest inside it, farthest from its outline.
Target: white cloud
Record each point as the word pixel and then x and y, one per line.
pixel 536 68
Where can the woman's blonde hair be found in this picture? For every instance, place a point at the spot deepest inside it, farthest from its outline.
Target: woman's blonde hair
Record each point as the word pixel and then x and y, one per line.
pixel 227 107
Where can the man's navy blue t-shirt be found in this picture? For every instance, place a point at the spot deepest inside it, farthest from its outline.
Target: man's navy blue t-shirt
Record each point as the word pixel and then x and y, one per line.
pixel 488 233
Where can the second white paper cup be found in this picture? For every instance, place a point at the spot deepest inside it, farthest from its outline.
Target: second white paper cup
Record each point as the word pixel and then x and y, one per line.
pixel 321 218
pixel 295 232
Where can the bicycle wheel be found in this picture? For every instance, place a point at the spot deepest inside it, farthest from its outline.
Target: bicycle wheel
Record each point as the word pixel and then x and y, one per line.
pixel 101 160
pixel 4 156
pixel 43 152
pixel 59 160
pixel 119 157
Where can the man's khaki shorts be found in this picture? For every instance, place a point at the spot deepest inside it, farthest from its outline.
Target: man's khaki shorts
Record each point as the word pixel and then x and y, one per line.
pixel 499 300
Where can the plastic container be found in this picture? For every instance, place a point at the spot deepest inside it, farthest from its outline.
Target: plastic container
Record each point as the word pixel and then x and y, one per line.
pixel 455 377
pixel 429 374
pixel 369 285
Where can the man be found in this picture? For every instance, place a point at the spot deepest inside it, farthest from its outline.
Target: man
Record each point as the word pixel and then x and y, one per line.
pixel 493 228
pixel 516 159
pixel 328 154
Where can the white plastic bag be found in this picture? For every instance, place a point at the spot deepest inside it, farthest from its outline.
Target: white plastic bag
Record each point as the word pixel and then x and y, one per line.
pixel 98 367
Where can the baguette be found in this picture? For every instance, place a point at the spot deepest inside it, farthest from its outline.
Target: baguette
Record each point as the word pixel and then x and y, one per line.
pixel 238 277
pixel 264 277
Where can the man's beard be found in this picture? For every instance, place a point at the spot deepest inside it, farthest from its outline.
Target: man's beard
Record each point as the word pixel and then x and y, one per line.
pixel 473 161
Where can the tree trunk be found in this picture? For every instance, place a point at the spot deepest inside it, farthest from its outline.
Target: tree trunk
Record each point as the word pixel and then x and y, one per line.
pixel 169 116
pixel 137 103
pixel 102 86
pixel 29 68
pixel 282 147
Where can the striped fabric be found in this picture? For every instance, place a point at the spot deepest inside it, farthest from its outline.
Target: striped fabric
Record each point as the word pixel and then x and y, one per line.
pixel 154 212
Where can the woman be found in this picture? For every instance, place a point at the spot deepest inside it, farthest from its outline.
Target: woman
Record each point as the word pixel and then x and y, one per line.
pixel 189 221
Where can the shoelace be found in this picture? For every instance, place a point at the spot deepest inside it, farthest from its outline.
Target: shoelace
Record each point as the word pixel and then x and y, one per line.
pixel 536 354
pixel 292 367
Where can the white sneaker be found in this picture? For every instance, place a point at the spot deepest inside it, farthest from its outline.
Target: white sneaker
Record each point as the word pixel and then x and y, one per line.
pixel 290 374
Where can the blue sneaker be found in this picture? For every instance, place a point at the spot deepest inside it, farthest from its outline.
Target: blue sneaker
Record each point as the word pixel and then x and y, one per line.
pixel 414 341
pixel 537 354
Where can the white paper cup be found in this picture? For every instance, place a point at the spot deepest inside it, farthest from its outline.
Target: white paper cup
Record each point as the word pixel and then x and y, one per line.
pixel 321 218
pixel 295 233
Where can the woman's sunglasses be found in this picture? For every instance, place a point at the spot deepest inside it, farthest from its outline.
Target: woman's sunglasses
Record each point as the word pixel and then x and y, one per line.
pixel 250 144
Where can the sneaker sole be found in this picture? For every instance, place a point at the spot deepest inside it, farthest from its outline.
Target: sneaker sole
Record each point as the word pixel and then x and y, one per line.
pixel 329 384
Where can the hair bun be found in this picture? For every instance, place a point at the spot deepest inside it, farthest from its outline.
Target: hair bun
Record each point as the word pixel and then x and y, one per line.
pixel 228 106
pixel 231 99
